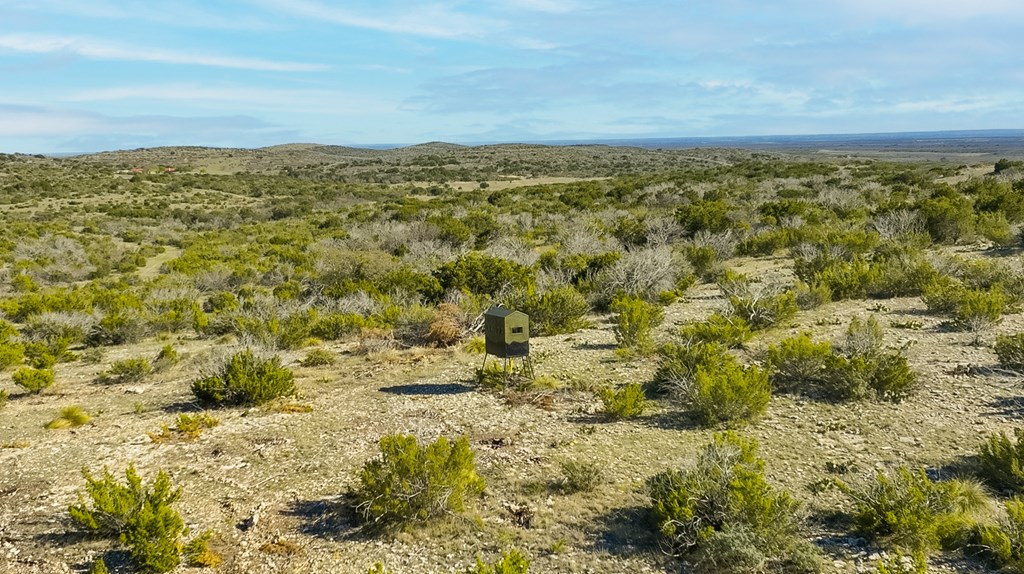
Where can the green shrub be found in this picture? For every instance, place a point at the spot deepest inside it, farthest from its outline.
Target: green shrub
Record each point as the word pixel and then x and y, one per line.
pixel 900 272
pixel 1002 546
pixel 33 380
pixel 705 215
pixel 811 296
pixel 948 216
pixel 378 568
pixel 635 319
pixel 559 310
pixel 98 567
pixel 127 371
pixel 580 476
pixel 483 274
pixel 971 309
pixel 142 517
pixel 337 326
pixel 798 362
pixel 165 359
pixel 980 310
pixel 245 380
pixel 118 328
pixel 1010 350
pixel 845 279
pixel 729 394
pixel 1001 461
pixel 222 301
pixel 892 378
pixel 511 562
pixel 410 482
pixel 723 514
pixel 862 370
pixel 319 358
pixel 679 363
pixel 11 353
pixel 476 346
pixel 625 403
pixel 910 511
pixel 198 552
pixel 732 331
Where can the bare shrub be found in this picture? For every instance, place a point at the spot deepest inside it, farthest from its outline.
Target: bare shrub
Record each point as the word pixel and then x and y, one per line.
pixel 425 256
pixel 513 249
pixel 724 244
pixel 662 230
pixel 71 326
pixel 447 326
pixel 643 273
pixel 898 224
pixel 60 259
pixel 584 239
pixel 217 279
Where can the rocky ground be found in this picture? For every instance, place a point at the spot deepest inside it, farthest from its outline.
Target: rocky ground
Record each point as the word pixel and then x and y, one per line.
pixel 270 481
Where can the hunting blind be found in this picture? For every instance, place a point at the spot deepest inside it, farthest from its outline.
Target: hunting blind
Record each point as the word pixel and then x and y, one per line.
pixel 507 336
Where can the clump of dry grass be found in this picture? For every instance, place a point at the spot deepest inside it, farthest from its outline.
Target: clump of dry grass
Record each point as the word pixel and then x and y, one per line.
pixel 73 416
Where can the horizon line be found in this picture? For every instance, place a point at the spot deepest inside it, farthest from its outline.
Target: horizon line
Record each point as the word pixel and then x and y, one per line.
pixel 603 140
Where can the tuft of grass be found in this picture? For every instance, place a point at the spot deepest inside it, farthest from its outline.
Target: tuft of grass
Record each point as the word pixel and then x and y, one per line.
pixel 580 476
pixel 625 403
pixel 73 416
pixel 319 358
pixel 476 346
pixel 187 427
pixel 198 552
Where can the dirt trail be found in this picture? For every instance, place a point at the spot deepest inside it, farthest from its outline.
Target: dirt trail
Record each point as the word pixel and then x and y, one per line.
pixel 152 267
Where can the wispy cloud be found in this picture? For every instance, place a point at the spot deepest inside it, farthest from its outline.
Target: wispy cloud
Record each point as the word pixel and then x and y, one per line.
pixel 426 20
pixel 548 6
pixel 182 13
pixel 233 96
pixel 99 50
pixel 77 130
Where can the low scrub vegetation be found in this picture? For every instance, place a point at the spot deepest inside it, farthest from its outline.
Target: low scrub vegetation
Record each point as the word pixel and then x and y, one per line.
pixel 635 320
pixel 1010 350
pixel 856 367
pixel 625 403
pixel 33 380
pixel 127 371
pixel 723 516
pixel 73 416
pixel 140 516
pixel 411 482
pixel 245 379
pixel 911 511
pixel 1001 461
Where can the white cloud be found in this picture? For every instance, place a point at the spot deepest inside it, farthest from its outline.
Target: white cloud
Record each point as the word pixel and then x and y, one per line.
pixel 549 6
pixel 932 11
pixel 95 49
pixel 427 20
pixel 182 13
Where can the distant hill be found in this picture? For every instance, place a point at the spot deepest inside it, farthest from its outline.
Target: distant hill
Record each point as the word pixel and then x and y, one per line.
pixel 434 161
pixel 441 161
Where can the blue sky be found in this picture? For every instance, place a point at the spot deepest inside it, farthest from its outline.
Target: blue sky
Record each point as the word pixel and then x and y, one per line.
pixel 105 74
